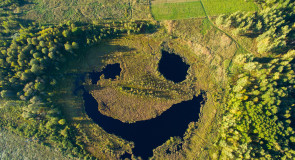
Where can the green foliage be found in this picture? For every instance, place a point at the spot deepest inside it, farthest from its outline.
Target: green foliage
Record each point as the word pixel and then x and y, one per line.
pixel 273 25
pixel 62 122
pixel 11 3
pixel 31 63
pixel 68 47
pixel 4 93
pixel 257 115
pixel 205 26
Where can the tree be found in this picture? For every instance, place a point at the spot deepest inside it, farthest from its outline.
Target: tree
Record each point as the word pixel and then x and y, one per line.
pixel 4 94
pixel 68 47
pixel 66 33
pixel 35 41
pixel 62 122
pixel 25 76
pixel 75 45
pixel 42 43
pixel 36 69
pixel 51 55
pixel 45 51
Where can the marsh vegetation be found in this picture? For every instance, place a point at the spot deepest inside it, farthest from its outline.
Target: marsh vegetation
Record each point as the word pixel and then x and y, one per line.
pixel 243 61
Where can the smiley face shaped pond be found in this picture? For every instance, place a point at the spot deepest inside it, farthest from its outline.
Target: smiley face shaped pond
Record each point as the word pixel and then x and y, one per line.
pixel 148 134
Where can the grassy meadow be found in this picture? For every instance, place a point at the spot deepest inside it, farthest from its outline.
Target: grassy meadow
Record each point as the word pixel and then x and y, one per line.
pixel 55 11
pixel 13 146
pixel 182 10
pixel 217 7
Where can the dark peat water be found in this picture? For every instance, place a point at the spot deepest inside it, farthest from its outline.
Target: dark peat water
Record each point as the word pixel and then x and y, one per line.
pixel 148 134
pixel 109 72
pixel 172 67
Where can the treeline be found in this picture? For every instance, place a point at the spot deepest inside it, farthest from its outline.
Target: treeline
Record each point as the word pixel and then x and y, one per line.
pixel 9 19
pixel 258 119
pixel 11 3
pixel 30 64
pixel 29 69
pixel 259 116
pixel 27 64
pixel 273 25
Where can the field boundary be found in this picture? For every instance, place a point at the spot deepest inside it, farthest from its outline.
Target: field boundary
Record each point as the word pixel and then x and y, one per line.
pixel 227 34
pixel 171 1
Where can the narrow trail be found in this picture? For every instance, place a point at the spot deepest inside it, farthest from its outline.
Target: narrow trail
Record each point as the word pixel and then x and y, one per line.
pixel 239 46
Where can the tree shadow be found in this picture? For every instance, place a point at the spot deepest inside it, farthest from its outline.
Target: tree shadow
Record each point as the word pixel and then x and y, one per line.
pixel 251 35
pixel 263 59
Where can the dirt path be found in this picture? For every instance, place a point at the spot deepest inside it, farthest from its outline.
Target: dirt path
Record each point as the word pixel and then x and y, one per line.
pixel 237 43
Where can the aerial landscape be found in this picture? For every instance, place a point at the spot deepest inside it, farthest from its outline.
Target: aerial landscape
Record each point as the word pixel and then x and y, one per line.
pixel 147 79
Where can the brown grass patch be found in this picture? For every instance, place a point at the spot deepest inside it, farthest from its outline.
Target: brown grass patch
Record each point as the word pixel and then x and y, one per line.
pixel 56 11
pixel 129 107
pixel 141 92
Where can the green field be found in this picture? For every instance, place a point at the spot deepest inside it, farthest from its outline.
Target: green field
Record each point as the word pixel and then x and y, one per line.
pixel 217 7
pixel 183 10
pixel 170 1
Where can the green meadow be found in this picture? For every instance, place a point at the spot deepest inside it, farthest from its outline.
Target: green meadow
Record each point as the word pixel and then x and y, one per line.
pixel 183 10
pixel 217 7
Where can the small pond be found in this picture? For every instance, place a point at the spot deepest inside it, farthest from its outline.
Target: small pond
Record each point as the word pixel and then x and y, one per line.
pixel 109 72
pixel 172 67
pixel 149 134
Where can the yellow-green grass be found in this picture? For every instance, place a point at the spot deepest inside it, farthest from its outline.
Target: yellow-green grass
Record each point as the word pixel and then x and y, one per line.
pixel 13 146
pixel 171 1
pixel 183 10
pixel 56 11
pixel 217 7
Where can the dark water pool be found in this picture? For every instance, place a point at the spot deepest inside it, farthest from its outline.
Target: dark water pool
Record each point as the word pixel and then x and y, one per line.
pixel 172 67
pixel 109 72
pixel 149 134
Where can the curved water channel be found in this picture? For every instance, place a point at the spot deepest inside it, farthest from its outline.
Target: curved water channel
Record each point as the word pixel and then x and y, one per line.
pixel 148 134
